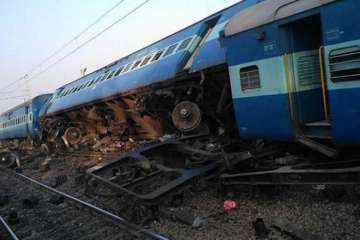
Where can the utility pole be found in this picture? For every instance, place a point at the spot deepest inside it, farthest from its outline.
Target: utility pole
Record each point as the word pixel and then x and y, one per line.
pixel 83 71
pixel 27 88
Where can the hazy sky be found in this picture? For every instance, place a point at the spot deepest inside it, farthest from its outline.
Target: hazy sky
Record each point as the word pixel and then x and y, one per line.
pixel 33 29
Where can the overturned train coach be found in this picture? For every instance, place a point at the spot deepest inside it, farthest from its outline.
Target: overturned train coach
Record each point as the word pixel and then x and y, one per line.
pixel 287 70
pixel 173 85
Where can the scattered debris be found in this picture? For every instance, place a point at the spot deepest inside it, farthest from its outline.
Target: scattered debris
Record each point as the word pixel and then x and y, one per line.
pixel 45 165
pixel 184 216
pixel 80 178
pixel 44 149
pixel 104 141
pixel 285 226
pixel 58 181
pixel 199 222
pixel 260 229
pixel 288 159
pixel 13 217
pixel 229 205
pixel 30 202
pixel 8 159
pixel 4 200
pixel 56 200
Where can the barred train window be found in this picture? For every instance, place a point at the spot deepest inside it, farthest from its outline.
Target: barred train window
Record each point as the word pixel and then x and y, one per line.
pixel 127 68
pixel 111 75
pixel 345 64
pixel 170 50
pixel 250 78
pixel 184 44
pixel 146 60
pixel 157 55
pixel 136 64
pixel 119 71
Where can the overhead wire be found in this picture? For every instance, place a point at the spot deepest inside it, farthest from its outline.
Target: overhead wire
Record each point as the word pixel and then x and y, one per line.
pixel 90 40
pixel 13 98
pixel 63 47
pixel 17 90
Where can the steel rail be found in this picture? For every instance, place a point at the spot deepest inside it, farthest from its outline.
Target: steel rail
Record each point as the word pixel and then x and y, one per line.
pixel 125 224
pixel 8 229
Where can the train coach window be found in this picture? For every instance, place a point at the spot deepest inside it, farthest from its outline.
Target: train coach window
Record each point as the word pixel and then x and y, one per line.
pixel 82 86
pixel 97 80
pixel 77 89
pixel 118 71
pixel 136 64
pixel 65 93
pixel 157 55
pixel 184 45
pixel 127 68
pixel 71 91
pixel 89 83
pixel 345 64
pixel 146 60
pixel 104 77
pixel 111 75
pixel 250 78
pixel 60 94
pixel 170 50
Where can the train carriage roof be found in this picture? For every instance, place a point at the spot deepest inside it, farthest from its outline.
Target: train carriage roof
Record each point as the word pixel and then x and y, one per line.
pixel 269 11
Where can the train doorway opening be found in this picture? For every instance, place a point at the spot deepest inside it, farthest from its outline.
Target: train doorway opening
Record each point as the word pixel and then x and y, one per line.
pixel 217 101
pixel 303 44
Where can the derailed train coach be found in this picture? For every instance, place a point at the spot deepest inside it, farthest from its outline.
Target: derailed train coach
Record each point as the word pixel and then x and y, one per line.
pixel 296 64
pixel 172 85
pixel 287 70
pixel 20 126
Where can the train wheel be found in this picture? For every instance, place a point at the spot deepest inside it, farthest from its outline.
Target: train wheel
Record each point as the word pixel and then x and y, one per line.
pixel 8 159
pixel 72 136
pixel 186 116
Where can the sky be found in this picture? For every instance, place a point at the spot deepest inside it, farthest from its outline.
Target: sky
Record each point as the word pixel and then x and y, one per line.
pixel 31 30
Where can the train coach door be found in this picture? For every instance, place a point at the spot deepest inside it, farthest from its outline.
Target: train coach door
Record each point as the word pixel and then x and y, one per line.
pixel 303 40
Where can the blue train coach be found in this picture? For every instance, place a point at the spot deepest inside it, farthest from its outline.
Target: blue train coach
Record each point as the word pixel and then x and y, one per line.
pixel 23 120
pixel 111 95
pixel 295 70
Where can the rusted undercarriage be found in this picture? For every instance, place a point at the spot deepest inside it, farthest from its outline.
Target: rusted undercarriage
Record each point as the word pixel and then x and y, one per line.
pixel 13 149
pixel 24 145
pixel 183 106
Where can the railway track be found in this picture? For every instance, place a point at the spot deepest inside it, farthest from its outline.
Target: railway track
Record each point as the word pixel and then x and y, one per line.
pixel 7 230
pixel 34 211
